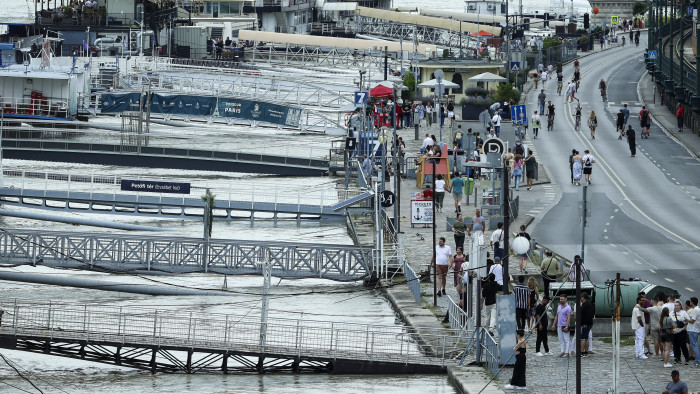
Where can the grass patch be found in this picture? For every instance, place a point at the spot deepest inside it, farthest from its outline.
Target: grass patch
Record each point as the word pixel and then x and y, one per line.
pixel 625 340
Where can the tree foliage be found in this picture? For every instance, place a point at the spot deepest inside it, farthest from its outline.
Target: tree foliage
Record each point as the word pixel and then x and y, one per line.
pixel 639 8
pixel 409 80
pixel 506 92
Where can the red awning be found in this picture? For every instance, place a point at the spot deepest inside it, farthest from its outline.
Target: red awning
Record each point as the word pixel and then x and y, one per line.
pixel 381 91
pixel 481 33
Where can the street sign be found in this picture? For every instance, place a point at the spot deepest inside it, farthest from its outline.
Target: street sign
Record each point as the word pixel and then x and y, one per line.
pixel 652 55
pixel 514 66
pixel 388 198
pixel 690 10
pixel 614 19
pixel 518 114
pixel 140 185
pixel 360 98
pixel 421 212
pixel 494 145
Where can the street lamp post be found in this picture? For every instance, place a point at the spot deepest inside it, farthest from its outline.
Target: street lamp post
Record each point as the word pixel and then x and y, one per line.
pixel 438 90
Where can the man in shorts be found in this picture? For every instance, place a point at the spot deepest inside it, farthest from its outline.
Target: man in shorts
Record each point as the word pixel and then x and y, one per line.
pixel 588 161
pixel 441 262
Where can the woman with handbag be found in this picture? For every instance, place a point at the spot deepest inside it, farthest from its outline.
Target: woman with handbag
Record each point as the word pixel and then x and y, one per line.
pixel 680 333
pixel 592 124
pixel 666 330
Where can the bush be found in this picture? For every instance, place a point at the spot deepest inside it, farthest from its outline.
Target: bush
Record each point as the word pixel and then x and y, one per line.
pixel 477 101
pixel 583 40
pixel 409 80
pixel 506 92
pixel 481 92
pixel 551 42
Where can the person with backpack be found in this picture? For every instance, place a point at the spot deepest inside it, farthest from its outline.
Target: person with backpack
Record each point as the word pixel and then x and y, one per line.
pixel 645 121
pixel 535 124
pixel 496 120
pixel 588 161
pixel 592 124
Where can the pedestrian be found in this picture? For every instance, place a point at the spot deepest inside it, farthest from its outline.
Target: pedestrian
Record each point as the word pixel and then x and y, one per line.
pixel 429 113
pixel 534 299
pixel 367 167
pixel 456 267
pixel 577 168
pixel 488 303
pixel 439 191
pixel 524 256
pixel 535 78
pixel 497 241
pixel 679 117
pixel 496 120
pixel 457 187
pixel 694 328
pixel 451 114
pixel 638 328
pixel 654 332
pixel 549 270
pixel 666 334
pixel 497 270
pixel 626 112
pixel 476 229
pixel 676 385
pixel 522 302
pixel 588 162
pixel 530 169
pixel 645 121
pixel 586 323
pixel 631 140
pixel 517 170
pixel 571 164
pixel 561 324
pixel 592 124
pixel 517 381
pixel 441 262
pixel 645 304
pixel 680 335
pixel 536 124
pixel 541 325
pixel 458 229
pixel 544 79
pixel 688 324
pixel 571 92
pixel 541 100
pixel 620 122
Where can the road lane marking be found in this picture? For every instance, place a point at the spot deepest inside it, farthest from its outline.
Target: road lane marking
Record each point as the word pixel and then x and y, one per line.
pixel 689 289
pixel 652 271
pixel 670 280
pixel 638 262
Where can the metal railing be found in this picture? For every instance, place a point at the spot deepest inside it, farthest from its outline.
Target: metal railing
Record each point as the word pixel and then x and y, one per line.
pixel 128 252
pixel 413 282
pixel 87 187
pixel 458 317
pixel 150 327
pixel 490 351
pixel 35 106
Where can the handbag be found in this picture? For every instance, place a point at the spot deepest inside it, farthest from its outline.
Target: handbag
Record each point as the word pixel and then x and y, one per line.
pixel 679 323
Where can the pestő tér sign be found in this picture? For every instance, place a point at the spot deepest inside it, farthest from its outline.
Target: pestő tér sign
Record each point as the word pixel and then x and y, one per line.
pixel 138 185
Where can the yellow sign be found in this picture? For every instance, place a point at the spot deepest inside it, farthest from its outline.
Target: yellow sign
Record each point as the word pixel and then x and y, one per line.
pixel 614 19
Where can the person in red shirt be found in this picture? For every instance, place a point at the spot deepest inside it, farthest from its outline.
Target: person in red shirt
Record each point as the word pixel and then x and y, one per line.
pixel 428 193
pixel 679 117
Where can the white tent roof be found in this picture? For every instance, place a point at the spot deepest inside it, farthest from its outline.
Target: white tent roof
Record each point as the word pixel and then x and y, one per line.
pixel 433 83
pixel 487 77
pixel 352 6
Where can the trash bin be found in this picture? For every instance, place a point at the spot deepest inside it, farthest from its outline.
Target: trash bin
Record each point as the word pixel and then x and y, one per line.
pixel 469 186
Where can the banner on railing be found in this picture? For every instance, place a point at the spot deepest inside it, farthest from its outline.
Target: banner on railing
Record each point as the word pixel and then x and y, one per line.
pixel 120 102
pixel 139 185
pixel 260 111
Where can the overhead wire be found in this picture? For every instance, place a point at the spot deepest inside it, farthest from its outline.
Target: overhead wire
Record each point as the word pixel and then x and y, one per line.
pixel 20 373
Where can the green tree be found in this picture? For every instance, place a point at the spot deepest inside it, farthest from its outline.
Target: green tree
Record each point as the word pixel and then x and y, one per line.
pixel 550 42
pixel 506 92
pixel 639 8
pixel 409 81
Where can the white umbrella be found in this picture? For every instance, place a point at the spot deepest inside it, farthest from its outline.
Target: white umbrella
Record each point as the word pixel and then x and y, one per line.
pixel 433 84
pixel 487 77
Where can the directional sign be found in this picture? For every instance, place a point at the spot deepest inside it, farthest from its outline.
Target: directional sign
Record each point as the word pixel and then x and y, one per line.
pixel 514 66
pixel 690 10
pixel 614 19
pixel 494 145
pixel 388 198
pixel 652 55
pixel 518 114
pixel 360 98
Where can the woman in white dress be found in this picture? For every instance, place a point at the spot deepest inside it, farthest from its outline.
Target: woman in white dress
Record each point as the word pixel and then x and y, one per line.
pixel 578 168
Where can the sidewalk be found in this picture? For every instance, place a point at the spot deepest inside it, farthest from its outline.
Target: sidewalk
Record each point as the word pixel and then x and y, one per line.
pixel 665 118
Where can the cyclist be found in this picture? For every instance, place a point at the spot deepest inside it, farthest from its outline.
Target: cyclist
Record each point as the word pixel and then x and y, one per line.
pixel 623 40
pixel 578 116
pixel 560 82
pixel 636 38
pixel 576 64
pixel 550 116
pixel 603 87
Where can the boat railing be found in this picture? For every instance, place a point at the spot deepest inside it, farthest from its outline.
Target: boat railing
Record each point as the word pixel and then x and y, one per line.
pixel 39 106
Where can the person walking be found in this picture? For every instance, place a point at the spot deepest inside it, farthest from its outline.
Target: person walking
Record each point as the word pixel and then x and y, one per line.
pixel 534 299
pixel 544 76
pixel 497 241
pixel 541 100
pixel 561 324
pixel 429 113
pixel 680 335
pixel 549 270
pixel 666 333
pixel 530 169
pixel 459 229
pixel 441 263
pixel 518 380
pixel 488 303
pixel 456 267
pixel 592 124
pixel 586 324
pixel 620 123
pixel 496 120
pixel 626 112
pixel 536 124
pixel 541 325
pixel 577 168
pixel 457 184
pixel 522 302
pixel 588 161
pixel 676 385
pixel 694 328
pixel 645 121
pixel 440 192
pixel 571 164
pixel 517 173
pixel 524 257
pixel 631 140
pixel 679 117
pixel 638 328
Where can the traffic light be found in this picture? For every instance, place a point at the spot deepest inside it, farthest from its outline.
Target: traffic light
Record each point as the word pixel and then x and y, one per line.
pixel 585 21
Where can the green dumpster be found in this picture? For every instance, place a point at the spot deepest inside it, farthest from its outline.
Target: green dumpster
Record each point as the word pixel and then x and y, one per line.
pixel 468 186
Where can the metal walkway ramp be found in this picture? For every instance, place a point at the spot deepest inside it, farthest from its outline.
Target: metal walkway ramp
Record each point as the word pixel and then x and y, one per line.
pixel 162 157
pixel 141 253
pixel 172 342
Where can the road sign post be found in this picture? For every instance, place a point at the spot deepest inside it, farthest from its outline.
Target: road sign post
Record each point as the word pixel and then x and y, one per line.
pixel 651 55
pixel 515 67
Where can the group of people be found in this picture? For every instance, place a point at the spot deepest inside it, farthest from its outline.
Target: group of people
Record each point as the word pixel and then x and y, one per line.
pixel 581 166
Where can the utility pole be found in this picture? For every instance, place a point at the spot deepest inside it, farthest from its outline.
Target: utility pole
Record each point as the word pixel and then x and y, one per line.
pixel 616 337
pixel 507 40
pixel 506 225
pixel 583 222
pixel 577 266
pixel 396 168
pixel 386 64
pixel 434 257
pixel 267 273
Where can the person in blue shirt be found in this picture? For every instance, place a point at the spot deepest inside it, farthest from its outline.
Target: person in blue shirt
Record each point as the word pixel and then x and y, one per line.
pixel 457 190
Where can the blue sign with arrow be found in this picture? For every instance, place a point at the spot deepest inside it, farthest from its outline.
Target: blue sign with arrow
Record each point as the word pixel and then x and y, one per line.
pixel 518 114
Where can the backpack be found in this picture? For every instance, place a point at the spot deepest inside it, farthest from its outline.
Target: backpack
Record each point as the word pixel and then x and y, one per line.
pixel 519 149
pixel 588 161
pixel 645 115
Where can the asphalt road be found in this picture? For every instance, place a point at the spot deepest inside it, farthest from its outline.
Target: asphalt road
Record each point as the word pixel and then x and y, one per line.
pixel 644 211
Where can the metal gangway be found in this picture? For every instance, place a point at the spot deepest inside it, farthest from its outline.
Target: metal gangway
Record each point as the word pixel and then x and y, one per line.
pixel 157 254
pixel 234 201
pixel 183 342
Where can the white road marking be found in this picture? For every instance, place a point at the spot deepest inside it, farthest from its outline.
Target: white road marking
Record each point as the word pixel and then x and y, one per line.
pixel 607 224
pixel 670 280
pixel 616 209
pixel 652 271
pixel 625 253
pixel 689 289
pixel 638 262
pixel 611 217
pixel 673 179
pixel 605 230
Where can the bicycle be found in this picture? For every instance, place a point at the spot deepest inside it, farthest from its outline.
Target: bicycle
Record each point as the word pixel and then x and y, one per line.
pixel 603 94
pixel 578 122
pixel 550 122
pixel 560 84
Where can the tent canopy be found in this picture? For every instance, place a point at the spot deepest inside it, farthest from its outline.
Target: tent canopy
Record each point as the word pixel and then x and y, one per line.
pixel 381 91
pixel 487 77
pixel 481 33
pixel 433 83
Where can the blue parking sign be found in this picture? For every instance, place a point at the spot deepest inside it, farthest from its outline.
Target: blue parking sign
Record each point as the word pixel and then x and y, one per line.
pixel 518 114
